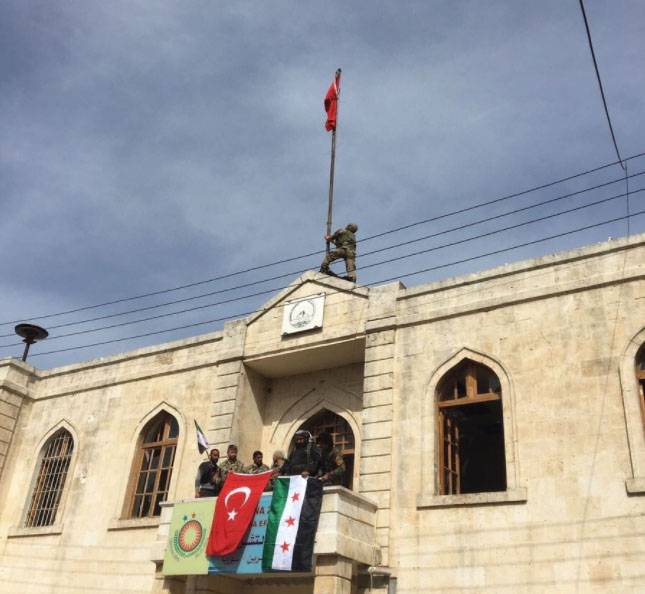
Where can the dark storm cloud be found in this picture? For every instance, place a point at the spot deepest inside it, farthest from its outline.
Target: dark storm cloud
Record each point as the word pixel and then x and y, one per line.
pixel 146 145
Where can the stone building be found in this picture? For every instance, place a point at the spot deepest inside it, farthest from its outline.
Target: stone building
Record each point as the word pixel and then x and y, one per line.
pixel 493 425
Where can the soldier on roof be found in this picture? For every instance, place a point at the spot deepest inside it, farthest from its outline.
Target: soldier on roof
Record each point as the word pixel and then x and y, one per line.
pixel 345 242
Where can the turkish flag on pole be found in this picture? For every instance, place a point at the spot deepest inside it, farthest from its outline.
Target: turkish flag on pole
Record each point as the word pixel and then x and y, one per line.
pixel 234 511
pixel 331 102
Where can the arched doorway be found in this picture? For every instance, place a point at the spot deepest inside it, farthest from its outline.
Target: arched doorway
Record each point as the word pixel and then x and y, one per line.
pixel 341 432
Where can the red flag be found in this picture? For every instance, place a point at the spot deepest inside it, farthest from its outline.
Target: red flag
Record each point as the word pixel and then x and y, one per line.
pixel 234 510
pixel 331 102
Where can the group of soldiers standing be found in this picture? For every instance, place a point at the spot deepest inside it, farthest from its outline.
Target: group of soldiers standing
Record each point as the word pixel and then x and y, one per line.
pixel 321 460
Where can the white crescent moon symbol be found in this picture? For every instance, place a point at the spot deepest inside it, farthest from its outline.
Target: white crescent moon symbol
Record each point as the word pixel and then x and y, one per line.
pixel 245 490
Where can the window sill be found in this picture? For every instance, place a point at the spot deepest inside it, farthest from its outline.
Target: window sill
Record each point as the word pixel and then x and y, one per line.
pixel 518 495
pixel 15 532
pixel 635 485
pixel 133 523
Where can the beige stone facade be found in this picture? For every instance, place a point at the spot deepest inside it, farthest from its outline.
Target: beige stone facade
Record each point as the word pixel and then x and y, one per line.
pixel 560 333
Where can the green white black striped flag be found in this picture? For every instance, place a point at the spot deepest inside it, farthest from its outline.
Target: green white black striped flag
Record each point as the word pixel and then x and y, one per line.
pixel 293 520
pixel 202 442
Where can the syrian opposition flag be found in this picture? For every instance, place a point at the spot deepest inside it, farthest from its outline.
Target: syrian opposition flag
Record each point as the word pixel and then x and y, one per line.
pixel 234 511
pixel 202 442
pixel 293 519
pixel 331 103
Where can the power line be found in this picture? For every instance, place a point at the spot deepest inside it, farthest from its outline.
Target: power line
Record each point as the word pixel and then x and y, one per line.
pixel 602 91
pixel 416 272
pixel 318 252
pixel 300 271
pixel 380 263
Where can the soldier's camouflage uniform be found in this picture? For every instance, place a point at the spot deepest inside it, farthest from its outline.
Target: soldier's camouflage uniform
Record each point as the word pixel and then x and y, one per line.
pixel 227 466
pixel 334 465
pixel 345 242
pixel 255 469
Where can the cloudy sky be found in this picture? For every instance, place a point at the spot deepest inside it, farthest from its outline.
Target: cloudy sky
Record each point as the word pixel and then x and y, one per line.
pixel 149 145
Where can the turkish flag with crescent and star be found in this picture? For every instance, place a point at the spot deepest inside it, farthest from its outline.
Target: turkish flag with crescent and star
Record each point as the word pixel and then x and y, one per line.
pixel 331 103
pixel 234 511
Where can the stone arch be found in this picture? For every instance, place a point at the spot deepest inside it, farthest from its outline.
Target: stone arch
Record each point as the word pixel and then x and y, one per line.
pixel 634 416
pixel 343 435
pixel 305 408
pixel 62 424
pixel 135 442
pixel 429 420
pixel 39 452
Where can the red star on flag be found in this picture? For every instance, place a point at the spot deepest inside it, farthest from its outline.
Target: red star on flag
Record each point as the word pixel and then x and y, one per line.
pixel 295 497
pixel 290 521
pixel 285 547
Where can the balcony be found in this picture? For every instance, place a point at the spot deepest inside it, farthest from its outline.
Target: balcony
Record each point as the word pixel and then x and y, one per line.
pixel 345 541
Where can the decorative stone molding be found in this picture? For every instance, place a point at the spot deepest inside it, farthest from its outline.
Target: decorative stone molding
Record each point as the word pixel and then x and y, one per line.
pixel 428 471
pixel 634 417
pixel 518 495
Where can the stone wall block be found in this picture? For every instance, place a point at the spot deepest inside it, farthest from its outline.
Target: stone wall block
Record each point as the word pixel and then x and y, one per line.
pixel 375 482
pixel 379 367
pixel 377 414
pixel 225 394
pixel 375 464
pixel 221 421
pixel 219 435
pixel 378 353
pixel 10 398
pixel 378 382
pixel 380 324
pixel 377 430
pixel 223 407
pixel 381 498
pixel 226 381
pixel 7 422
pixel 5 435
pixel 380 339
pixel 383 518
pixel 376 447
pixel 9 410
pixel 377 398
pixel 229 368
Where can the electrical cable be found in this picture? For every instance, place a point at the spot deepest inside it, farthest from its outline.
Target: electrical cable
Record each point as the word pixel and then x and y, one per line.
pixel 300 271
pixel 602 91
pixel 416 272
pixel 627 200
pixel 380 263
pixel 318 252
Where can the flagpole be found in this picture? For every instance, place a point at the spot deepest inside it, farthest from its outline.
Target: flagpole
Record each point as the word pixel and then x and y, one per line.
pixel 332 165
pixel 331 184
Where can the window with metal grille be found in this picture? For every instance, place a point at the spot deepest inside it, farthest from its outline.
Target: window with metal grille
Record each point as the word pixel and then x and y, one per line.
pixel 152 468
pixel 470 430
pixel 640 377
pixel 342 435
pixel 50 482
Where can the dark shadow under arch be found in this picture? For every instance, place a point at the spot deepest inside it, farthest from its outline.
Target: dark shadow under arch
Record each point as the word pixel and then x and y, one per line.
pixel 342 434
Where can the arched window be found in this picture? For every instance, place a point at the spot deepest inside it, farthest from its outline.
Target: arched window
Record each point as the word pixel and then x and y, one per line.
pixel 49 484
pixel 640 376
pixel 152 467
pixel 470 430
pixel 342 434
